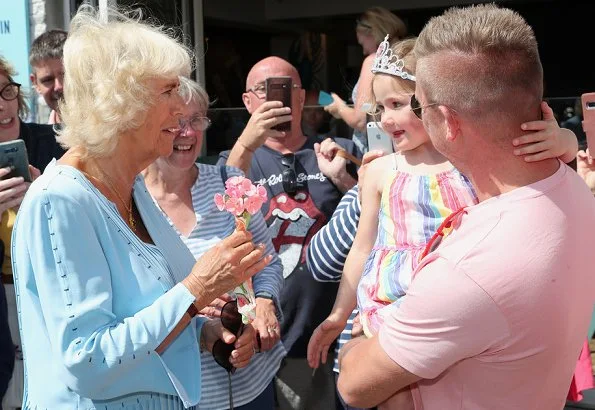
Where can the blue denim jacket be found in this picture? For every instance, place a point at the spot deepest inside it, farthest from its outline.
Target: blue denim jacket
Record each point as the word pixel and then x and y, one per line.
pixel 95 301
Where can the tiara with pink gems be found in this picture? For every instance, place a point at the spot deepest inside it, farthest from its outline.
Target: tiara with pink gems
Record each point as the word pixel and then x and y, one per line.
pixel 388 63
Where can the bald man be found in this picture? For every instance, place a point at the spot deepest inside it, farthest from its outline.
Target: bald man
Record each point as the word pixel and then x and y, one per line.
pixel 305 180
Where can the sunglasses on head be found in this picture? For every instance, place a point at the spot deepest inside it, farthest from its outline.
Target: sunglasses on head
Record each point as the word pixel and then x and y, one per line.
pixel 231 319
pixel 417 108
pixel 289 177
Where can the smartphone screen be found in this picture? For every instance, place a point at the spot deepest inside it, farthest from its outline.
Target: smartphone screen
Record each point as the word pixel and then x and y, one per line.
pixel 324 98
pixel 279 89
pixel 14 154
pixel 378 139
pixel 588 106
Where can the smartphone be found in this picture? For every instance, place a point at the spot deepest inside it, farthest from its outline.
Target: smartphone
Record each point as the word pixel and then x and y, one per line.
pixel 588 106
pixel 378 139
pixel 324 98
pixel 279 89
pixel 14 154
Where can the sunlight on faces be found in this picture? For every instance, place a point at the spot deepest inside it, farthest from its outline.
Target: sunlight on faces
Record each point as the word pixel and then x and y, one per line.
pixel 275 68
pixel 435 125
pixel 188 141
pixel 9 117
pixel 396 117
pixel 48 81
pixel 160 127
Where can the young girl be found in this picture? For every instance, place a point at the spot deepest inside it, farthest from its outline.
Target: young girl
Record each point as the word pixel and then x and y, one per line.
pixel 405 198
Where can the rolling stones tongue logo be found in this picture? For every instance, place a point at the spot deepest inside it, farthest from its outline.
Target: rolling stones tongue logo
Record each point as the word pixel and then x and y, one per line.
pixel 292 223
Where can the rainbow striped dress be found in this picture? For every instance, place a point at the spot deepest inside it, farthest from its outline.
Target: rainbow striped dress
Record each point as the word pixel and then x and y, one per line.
pixel 412 207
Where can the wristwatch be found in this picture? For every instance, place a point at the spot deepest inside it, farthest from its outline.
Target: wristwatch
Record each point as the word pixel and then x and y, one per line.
pixel 265 295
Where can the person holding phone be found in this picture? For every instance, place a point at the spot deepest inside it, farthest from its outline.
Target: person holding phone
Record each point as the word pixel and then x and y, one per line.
pixel 302 197
pixel 498 306
pixel 184 191
pixel 108 294
pixel 41 148
pixel 370 29
pixel 409 195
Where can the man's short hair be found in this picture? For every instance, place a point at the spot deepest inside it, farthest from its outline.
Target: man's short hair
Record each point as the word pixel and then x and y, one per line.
pixel 47 46
pixel 494 62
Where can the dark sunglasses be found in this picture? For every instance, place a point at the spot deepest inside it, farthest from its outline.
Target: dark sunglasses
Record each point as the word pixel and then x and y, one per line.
pixel 417 108
pixel 231 319
pixel 289 177
pixel 10 91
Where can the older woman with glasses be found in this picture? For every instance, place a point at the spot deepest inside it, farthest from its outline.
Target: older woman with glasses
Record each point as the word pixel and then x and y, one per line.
pixel 108 294
pixel 184 191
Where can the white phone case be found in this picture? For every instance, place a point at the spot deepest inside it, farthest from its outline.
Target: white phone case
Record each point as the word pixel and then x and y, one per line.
pixel 378 139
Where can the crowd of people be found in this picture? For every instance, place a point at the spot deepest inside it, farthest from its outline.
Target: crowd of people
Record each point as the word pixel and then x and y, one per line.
pixel 452 273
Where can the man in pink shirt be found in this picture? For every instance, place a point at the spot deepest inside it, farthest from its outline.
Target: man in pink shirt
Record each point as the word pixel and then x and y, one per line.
pixel 496 315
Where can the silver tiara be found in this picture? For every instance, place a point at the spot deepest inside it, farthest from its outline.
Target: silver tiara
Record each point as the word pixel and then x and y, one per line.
pixel 388 63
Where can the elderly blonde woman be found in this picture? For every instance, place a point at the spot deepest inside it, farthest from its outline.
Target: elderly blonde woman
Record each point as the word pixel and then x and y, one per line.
pixel 41 145
pixel 107 292
pixel 184 191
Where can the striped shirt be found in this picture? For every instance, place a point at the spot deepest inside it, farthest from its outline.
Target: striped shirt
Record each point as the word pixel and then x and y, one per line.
pixel 212 226
pixel 328 251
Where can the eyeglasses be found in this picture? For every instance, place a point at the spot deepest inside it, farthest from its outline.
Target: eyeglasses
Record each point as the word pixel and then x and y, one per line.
pixel 417 108
pixel 196 123
pixel 232 321
pixel 260 90
pixel 10 91
pixel 289 177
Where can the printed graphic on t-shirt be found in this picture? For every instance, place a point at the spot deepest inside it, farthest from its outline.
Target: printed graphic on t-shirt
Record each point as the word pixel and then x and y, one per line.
pixel 293 220
pixel 301 179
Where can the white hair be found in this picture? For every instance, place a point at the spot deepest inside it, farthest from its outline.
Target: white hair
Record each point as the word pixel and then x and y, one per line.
pixel 108 64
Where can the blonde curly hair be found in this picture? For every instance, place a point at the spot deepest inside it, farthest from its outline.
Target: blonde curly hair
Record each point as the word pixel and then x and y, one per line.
pixel 109 62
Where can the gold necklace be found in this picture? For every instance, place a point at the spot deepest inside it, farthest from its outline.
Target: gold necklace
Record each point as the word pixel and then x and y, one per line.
pixel 131 221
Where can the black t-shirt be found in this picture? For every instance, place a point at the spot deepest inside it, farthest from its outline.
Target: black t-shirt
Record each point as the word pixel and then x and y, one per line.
pixel 293 220
pixel 40 140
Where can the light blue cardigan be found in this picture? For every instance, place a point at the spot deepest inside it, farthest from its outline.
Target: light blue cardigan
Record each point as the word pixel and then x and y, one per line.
pixel 94 301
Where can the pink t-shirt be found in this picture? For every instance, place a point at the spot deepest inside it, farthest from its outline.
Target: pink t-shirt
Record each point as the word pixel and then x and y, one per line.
pixel 495 318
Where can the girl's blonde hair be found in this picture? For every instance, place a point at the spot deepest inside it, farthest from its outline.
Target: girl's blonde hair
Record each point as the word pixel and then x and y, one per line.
pixel 404 50
pixel 378 22
pixel 8 70
pixel 109 62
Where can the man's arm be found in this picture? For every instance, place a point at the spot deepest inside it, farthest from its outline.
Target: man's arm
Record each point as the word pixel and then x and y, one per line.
pixel 445 318
pixel 367 383
pixel 329 247
pixel 334 166
pixel 240 157
pixel 258 129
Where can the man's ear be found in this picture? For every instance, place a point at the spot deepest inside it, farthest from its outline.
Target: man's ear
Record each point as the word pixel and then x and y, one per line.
pixel 451 123
pixel 247 102
pixel 33 79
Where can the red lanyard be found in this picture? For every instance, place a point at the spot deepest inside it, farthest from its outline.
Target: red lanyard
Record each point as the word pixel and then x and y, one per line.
pixel 437 237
